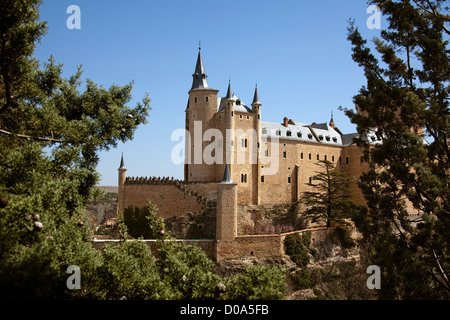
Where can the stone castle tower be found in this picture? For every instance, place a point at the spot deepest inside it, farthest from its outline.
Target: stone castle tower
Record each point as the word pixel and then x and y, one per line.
pixel 220 117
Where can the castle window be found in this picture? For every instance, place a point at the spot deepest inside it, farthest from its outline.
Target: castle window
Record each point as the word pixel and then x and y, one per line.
pixel 318 157
pixel 332 158
pixel 340 159
pixel 266 153
pixel 309 156
pixel 248 117
pixel 244 143
pixel 301 155
pixel 284 154
pixel 262 179
pixel 310 180
pixel 207 99
pixel 362 159
pixel 240 116
pixel 346 160
pixel 243 178
pixel 195 99
pixel 232 113
pixel 258 116
pixel 289 179
pixel 325 157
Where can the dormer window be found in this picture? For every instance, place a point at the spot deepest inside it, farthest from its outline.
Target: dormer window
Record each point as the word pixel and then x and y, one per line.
pixel 310 136
pixel 328 138
pixel 289 133
pixel 321 138
pixel 278 132
pixel 299 134
pixel 334 139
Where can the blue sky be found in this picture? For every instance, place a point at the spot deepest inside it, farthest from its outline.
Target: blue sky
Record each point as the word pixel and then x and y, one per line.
pixel 295 50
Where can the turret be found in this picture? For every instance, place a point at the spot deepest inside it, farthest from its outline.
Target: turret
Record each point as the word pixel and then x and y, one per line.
pixel 229 126
pixel 201 107
pixel 226 211
pixel 122 177
pixel 256 109
pixel 332 120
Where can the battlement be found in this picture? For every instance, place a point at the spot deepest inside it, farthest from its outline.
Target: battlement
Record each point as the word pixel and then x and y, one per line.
pixel 179 184
pixel 152 180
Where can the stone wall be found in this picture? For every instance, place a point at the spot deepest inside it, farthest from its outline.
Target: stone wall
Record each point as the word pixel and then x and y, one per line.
pixel 263 246
pixel 170 196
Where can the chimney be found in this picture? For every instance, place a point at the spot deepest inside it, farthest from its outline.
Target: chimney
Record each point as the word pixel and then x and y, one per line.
pixel 286 122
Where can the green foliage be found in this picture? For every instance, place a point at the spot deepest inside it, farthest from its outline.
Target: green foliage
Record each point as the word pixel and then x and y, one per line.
pixel 256 283
pixel 187 270
pixel 301 279
pixel 130 271
pixel 51 132
pixel 344 237
pixel 142 222
pixel 297 248
pixel 407 92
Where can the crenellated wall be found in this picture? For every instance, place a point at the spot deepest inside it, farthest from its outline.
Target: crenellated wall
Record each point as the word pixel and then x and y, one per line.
pixel 171 196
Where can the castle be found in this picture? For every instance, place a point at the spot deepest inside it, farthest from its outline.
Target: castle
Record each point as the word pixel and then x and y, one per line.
pixel 234 159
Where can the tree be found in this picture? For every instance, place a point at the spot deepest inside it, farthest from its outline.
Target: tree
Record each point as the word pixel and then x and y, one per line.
pixel 330 198
pixel 51 130
pixel 405 103
pixel 142 222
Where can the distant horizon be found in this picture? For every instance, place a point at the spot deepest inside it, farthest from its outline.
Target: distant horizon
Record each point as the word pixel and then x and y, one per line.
pixel 296 52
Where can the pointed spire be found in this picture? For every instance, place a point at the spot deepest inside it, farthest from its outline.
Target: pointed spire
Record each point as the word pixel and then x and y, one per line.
pixel 332 120
pixel 199 76
pixel 229 92
pixel 122 165
pixel 226 176
pixel 256 97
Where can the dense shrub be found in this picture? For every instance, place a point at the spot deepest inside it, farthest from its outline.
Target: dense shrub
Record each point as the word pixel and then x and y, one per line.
pixel 297 248
pixel 256 283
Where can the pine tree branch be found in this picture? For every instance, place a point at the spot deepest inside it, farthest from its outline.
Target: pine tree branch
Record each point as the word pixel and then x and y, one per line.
pixel 432 12
pixel 24 136
pixel 441 269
